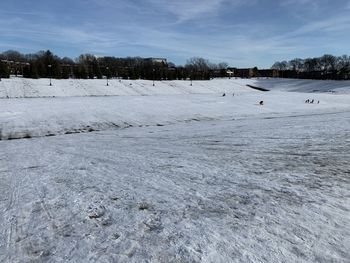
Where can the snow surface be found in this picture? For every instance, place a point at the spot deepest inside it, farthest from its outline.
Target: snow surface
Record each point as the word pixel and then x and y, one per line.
pixel 36 117
pixel 304 85
pixel 196 177
pixel 30 88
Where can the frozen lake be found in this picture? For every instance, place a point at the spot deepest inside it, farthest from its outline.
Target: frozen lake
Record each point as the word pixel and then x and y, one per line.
pixel 258 189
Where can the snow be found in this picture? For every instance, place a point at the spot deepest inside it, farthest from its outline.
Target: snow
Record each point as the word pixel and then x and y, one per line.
pixel 195 177
pixel 304 85
pixel 36 117
pixel 30 88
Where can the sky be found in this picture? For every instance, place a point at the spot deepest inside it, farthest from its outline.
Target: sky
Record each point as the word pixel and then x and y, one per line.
pixel 243 33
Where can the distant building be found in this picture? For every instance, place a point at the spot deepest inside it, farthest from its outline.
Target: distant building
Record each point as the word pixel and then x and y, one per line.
pixel 229 72
pixel 242 72
pixel 268 73
pixel 252 73
pixel 15 68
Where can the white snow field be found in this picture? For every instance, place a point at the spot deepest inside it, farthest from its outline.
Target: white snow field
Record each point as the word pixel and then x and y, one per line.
pixel 98 107
pixel 180 174
pixel 30 88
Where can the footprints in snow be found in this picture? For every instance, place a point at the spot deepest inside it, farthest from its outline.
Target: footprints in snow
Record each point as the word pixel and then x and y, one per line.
pixel 150 219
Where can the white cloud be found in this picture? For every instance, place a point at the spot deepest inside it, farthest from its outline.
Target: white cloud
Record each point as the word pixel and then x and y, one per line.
pixel 190 9
pixel 330 25
pixel 148 29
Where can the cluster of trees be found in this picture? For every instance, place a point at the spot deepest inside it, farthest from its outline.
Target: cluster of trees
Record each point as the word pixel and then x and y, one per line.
pixel 4 70
pixel 46 64
pixel 324 67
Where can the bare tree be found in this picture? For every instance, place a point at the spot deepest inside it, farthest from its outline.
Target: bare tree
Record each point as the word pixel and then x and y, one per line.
pixel 296 64
pixel 198 64
pixel 198 68
pixel 283 65
pixel 223 65
pixel 327 63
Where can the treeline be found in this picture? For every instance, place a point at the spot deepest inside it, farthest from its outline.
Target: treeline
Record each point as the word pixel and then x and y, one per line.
pixel 324 67
pixel 87 66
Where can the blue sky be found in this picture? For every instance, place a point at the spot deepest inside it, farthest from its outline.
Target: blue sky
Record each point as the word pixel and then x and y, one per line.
pixel 241 33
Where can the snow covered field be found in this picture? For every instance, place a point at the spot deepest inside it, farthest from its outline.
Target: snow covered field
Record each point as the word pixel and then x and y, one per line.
pixel 30 88
pixel 303 85
pixel 195 177
pixel 174 102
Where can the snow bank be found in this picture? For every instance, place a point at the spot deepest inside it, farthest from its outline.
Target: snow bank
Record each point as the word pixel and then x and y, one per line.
pixel 30 88
pixel 304 85
pixel 70 106
pixel 24 118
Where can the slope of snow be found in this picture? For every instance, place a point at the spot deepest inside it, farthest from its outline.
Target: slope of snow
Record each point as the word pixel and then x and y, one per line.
pixel 20 118
pixel 196 177
pixel 89 105
pixel 304 85
pixel 250 190
pixel 29 88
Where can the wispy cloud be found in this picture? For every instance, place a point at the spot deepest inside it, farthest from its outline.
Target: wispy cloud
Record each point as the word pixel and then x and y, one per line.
pixel 241 33
pixel 297 2
pixel 189 9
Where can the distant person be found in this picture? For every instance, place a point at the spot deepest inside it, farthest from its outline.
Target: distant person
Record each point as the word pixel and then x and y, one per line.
pixel 224 94
pixel 312 101
pixel 318 102
pixel 233 94
pixel 261 102
pixel 307 101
